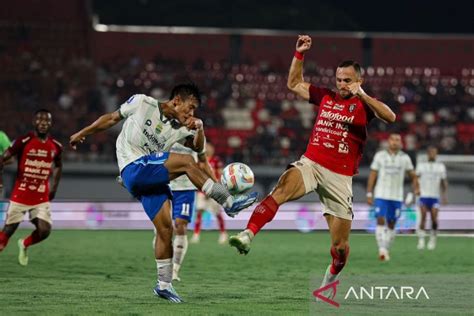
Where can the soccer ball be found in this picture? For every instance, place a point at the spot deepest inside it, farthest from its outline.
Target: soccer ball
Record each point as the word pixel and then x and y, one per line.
pixel 237 177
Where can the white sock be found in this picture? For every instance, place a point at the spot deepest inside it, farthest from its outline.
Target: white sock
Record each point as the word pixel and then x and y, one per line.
pixel 389 237
pixel 380 236
pixel 180 246
pixel 164 269
pixel 433 234
pixel 218 192
pixel 421 234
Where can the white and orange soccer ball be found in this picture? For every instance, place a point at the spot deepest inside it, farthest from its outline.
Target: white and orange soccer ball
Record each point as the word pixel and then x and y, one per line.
pixel 237 177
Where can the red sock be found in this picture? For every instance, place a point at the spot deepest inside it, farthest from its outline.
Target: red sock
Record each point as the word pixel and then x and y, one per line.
pixel 263 213
pixel 220 220
pixel 338 260
pixel 197 225
pixel 3 240
pixel 31 240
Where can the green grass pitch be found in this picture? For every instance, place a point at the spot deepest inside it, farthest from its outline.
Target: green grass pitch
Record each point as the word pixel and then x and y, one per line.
pixel 113 272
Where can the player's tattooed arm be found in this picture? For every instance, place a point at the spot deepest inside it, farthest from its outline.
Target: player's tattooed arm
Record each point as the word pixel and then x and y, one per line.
pixel 296 81
pixel 104 122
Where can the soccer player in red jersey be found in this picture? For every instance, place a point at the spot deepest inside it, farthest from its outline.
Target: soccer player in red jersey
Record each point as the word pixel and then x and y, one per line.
pixel 206 204
pixel 36 153
pixel 331 158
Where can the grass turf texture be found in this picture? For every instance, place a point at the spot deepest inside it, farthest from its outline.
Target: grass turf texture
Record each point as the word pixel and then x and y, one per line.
pixel 113 272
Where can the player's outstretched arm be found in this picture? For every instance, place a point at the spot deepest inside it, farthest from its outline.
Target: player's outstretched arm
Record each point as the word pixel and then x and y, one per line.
pixel 104 122
pixel 296 81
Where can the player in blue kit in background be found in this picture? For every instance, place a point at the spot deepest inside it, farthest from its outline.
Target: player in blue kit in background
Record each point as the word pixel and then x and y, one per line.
pixel 433 177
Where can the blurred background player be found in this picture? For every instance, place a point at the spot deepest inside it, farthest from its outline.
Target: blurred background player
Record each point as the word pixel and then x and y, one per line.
pixel 206 204
pixel 36 153
pixel 387 173
pixel 331 158
pixel 432 175
pixel 184 204
pixel 4 142
pixel 146 166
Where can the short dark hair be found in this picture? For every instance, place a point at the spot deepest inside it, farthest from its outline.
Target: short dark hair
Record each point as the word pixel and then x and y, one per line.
pixel 186 90
pixel 42 111
pixel 348 63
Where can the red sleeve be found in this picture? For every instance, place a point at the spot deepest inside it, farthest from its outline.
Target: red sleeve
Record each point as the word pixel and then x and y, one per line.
pixel 316 94
pixel 18 144
pixel 58 162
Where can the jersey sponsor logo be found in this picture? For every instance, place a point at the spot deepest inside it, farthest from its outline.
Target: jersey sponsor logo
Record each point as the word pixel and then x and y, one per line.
pixel 156 142
pixel 339 107
pixel 343 148
pixel 325 123
pixel 328 145
pixel 158 127
pixel 337 117
pixel 38 163
pixel 37 153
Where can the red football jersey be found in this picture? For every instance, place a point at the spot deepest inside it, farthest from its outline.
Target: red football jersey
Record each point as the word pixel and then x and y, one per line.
pixel 216 165
pixel 35 160
pixel 340 131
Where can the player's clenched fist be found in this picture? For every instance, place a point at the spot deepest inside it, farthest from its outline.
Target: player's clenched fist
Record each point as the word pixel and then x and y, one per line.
pixel 303 44
pixel 194 123
pixel 355 88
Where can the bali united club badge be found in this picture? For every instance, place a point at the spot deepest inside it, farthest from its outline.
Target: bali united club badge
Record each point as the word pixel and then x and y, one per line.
pixel 352 108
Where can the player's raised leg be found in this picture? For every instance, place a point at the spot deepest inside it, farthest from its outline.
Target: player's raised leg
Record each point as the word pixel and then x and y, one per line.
pixel 42 231
pixel 164 252
pixel 290 187
pixel 421 230
pixel 178 164
pixel 339 229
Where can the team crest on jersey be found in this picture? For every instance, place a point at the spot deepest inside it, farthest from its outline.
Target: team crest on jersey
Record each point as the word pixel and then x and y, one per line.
pixel 352 108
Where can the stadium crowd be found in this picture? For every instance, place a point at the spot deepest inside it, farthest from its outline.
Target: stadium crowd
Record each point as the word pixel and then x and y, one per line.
pixel 248 111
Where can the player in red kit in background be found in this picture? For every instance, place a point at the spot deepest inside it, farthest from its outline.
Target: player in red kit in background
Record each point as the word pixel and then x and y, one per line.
pixel 331 158
pixel 35 152
pixel 206 204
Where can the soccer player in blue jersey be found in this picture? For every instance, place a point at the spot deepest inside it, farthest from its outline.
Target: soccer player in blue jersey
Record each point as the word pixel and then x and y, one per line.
pixel 146 166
